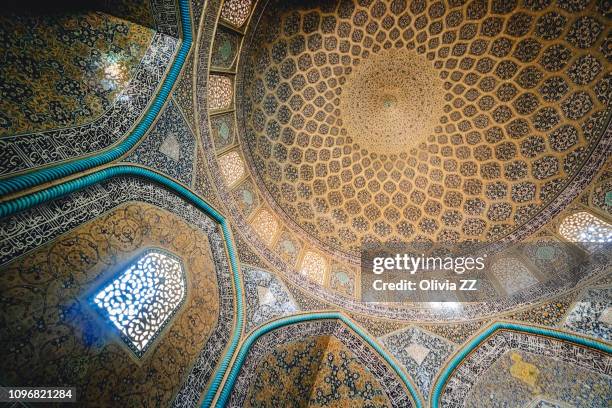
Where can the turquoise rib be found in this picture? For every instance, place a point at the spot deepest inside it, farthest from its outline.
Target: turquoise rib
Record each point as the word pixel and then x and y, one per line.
pixel 248 343
pixel 58 171
pixel 31 200
pixel 473 344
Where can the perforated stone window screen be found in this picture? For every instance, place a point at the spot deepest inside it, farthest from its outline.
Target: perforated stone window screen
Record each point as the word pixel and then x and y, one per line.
pixel 265 225
pixel 236 12
pixel 314 266
pixel 585 227
pixel 220 92
pixel 142 300
pixel 232 168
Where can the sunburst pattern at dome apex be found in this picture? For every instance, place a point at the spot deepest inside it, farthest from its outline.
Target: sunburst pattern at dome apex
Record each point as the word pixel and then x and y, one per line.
pixel 524 94
pixel 391 101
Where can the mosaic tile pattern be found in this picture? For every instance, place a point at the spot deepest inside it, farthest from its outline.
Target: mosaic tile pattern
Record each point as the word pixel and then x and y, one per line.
pixel 232 167
pixel 457 333
pixel 357 357
pixel 220 92
pixel 539 402
pixel 601 195
pixel 288 382
pixel 137 12
pixel 307 302
pixel 339 378
pixel 313 266
pixel 266 297
pixel 202 181
pixel 475 367
pixel 205 183
pixel 592 314
pixel 247 198
pixel 166 16
pixel 223 132
pixel 342 279
pixel 183 92
pixel 245 253
pixel 512 275
pixel 169 147
pixel 494 192
pixel 517 375
pixel 422 354
pixel 265 225
pixel 288 247
pixel 547 314
pixel 236 12
pixel 377 327
pixel 197 7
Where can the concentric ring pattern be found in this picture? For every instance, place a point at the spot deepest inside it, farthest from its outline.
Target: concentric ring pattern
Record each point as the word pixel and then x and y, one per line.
pixel 517 96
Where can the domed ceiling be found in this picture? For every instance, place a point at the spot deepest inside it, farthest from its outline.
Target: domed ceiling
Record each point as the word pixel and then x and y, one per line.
pixel 372 121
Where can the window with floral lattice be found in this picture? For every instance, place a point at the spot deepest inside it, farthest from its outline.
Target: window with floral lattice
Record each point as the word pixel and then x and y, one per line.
pixel 220 92
pixel 142 300
pixel 585 227
pixel 232 168
pixel 314 266
pixel 236 12
pixel 265 225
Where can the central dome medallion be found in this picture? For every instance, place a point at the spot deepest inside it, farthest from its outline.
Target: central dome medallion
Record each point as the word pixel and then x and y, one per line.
pixel 379 121
pixel 392 101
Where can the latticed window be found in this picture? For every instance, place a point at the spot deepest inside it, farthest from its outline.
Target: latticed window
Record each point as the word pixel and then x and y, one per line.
pixel 232 168
pixel 220 92
pixel 585 227
pixel 236 12
pixel 313 266
pixel 265 225
pixel 142 300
